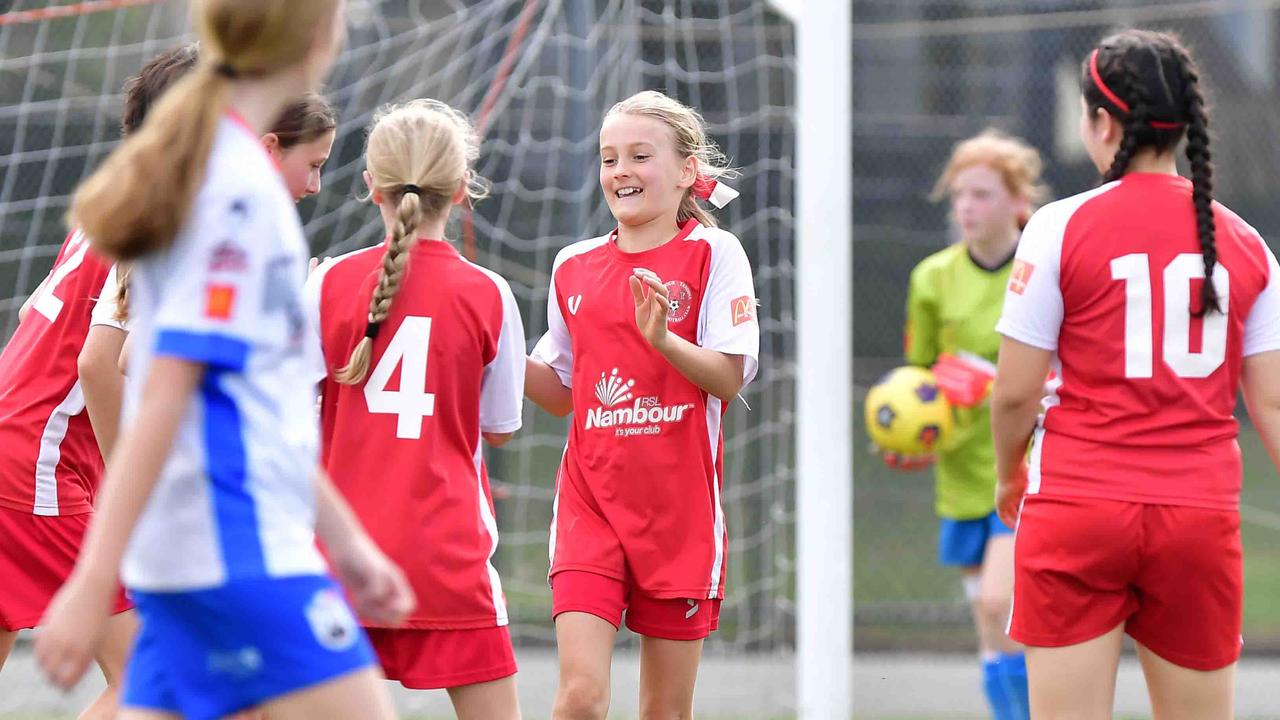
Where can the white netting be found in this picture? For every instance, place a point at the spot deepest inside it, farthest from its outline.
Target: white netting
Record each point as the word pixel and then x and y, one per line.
pixel 537 75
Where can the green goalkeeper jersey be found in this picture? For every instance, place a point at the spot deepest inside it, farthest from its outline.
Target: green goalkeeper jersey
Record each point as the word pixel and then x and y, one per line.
pixel 953 305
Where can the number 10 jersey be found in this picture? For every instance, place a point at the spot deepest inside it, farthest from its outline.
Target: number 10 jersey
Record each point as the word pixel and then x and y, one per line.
pixel 1141 408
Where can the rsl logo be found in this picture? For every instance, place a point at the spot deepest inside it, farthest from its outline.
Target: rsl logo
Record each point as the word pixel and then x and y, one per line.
pixel 627 414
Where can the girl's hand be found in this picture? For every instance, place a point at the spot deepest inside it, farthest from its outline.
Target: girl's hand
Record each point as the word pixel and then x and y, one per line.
pixel 1009 494
pixel 652 306
pixel 71 627
pixel 378 588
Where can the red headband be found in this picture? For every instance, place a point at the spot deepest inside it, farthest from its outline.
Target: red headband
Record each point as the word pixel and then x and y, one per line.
pixel 1116 99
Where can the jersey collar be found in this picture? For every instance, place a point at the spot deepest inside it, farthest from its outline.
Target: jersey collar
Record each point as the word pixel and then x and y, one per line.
pixel 637 258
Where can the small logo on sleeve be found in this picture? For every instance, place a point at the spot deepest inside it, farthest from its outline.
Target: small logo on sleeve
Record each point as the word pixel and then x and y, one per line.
pixel 743 310
pixel 1020 276
pixel 219 301
pixel 228 257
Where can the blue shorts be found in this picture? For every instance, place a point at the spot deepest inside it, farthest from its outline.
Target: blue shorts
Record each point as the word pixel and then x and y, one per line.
pixel 964 542
pixel 210 653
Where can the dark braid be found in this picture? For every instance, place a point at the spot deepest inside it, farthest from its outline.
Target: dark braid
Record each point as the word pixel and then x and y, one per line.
pixel 1134 123
pixel 1133 64
pixel 1201 178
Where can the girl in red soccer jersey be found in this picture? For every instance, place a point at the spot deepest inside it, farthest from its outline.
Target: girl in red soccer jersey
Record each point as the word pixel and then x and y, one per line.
pixel 425 357
pixel 299 143
pixel 651 333
pixel 1127 511
pixel 43 427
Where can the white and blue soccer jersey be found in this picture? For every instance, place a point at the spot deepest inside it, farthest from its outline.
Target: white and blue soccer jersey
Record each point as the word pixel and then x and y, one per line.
pixel 235 499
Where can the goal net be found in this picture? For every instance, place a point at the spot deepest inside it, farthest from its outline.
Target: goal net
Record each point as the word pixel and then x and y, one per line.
pixel 536 76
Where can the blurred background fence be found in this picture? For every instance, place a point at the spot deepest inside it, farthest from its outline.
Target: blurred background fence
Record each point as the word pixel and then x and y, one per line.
pixel 928 73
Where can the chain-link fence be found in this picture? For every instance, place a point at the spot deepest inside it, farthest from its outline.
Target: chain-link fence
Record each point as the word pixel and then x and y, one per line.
pixel 928 73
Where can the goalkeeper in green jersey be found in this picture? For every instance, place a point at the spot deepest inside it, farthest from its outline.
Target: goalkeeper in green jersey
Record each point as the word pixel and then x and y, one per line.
pixel 954 300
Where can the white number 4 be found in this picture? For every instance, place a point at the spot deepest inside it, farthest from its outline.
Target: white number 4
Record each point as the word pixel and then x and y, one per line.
pixel 1135 271
pixel 411 403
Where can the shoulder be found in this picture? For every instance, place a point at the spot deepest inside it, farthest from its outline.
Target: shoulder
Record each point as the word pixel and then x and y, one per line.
pixel 722 245
pixel 342 267
pixel 926 272
pixel 1054 217
pixel 577 249
pixel 241 184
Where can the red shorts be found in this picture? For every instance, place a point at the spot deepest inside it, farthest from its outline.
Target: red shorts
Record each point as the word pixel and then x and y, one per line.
pixel 37 554
pixel 607 598
pixel 434 659
pixel 1173 575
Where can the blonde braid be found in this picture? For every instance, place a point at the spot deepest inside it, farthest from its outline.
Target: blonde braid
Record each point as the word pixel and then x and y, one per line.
pixel 394 263
pixel 123 270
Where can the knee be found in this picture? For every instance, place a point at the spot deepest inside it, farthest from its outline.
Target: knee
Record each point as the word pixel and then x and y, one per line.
pixel 994 608
pixel 581 699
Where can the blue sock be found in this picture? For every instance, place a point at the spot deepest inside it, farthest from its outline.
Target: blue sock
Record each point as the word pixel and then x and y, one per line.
pixel 1005 680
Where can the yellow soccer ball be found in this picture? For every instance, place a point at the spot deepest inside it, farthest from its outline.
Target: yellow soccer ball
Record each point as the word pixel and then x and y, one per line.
pixel 907 414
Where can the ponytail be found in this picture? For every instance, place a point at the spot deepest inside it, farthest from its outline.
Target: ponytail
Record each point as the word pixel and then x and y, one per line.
pixel 135 203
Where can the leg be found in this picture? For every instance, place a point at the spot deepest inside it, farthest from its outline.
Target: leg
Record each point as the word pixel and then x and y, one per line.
pixel 585 646
pixel 1179 693
pixel 991 609
pixel 7 639
pixel 495 699
pixel 112 655
pixel 358 694
pixel 1076 682
pixel 1004 666
pixel 668 672
pixel 140 714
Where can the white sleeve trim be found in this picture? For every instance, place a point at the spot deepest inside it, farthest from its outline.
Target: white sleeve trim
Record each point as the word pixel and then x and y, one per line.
pixel 502 386
pixel 1262 326
pixel 106 308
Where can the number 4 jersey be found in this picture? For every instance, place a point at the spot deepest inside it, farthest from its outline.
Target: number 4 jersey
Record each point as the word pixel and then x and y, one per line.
pixel 1142 407
pixel 51 464
pixel 404 446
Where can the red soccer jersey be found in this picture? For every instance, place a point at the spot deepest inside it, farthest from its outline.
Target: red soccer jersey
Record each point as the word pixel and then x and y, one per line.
pixel 404 446
pixel 1141 409
pixel 645 451
pixel 51 463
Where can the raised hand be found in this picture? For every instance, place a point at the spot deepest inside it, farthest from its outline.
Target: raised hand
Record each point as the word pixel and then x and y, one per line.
pixel 652 306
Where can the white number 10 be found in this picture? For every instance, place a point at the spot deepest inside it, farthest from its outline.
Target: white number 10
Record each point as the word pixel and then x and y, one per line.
pixel 411 403
pixel 1135 271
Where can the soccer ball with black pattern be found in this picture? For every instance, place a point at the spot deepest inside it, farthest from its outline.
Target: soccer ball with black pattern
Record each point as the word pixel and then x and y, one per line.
pixel 907 414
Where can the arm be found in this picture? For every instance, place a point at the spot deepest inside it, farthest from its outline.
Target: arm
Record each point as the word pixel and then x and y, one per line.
pixel 378 588
pixel 78 613
pixel 102 383
pixel 1015 404
pixel 720 374
pixel 497 439
pixel 542 385
pixel 920 331
pixel 1260 379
